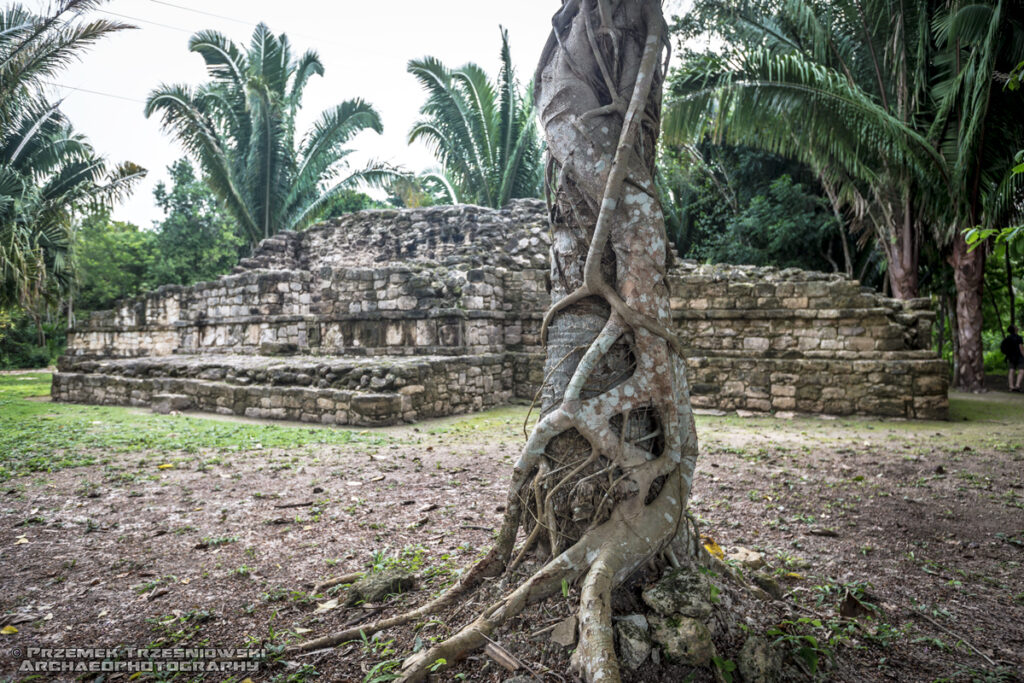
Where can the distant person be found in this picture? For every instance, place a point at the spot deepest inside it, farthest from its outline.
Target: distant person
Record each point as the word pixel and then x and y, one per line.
pixel 1013 348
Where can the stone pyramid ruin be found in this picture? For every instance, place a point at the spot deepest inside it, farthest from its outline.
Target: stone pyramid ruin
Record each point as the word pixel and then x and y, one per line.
pixel 387 316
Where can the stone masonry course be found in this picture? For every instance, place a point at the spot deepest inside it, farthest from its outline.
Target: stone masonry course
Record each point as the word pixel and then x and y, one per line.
pixel 380 317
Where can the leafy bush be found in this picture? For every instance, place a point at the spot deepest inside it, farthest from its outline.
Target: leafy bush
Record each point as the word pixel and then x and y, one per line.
pixel 20 345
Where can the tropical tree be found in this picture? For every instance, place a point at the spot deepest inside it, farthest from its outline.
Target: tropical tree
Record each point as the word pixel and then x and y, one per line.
pixel 838 86
pixel 741 205
pixel 602 486
pixel 977 126
pixel 48 172
pixel 895 104
pixel 483 133
pixel 240 126
pixel 113 260
pixel 36 47
pixel 197 239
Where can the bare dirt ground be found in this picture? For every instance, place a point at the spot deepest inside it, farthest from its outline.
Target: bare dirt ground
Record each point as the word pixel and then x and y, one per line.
pixel 155 548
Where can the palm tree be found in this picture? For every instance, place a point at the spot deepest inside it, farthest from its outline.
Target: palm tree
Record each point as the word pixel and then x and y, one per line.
pixel 48 172
pixel 977 126
pixel 838 86
pixel 483 133
pixel 36 47
pixel 240 125
pixel 894 104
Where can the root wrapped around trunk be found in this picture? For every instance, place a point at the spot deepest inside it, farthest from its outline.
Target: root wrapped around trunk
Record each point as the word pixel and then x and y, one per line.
pixel 603 481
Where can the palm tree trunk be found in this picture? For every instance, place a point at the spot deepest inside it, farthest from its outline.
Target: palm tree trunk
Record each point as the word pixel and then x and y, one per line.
pixel 999 313
pixel 903 256
pixel 969 276
pixel 1009 287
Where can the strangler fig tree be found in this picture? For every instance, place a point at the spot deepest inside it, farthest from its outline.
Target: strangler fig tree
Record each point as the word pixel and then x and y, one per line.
pixel 602 485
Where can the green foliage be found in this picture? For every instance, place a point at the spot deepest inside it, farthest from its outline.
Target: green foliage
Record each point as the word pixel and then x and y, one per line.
pixel 483 132
pixel 350 201
pixel 113 260
pixel 889 103
pixel 27 343
pixel 798 636
pixel 48 172
pixel 741 205
pixel 197 240
pixel 427 189
pixel 240 126
pixel 726 668
pixel 785 227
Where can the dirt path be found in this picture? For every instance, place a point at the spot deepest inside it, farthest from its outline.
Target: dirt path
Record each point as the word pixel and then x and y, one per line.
pixel 219 548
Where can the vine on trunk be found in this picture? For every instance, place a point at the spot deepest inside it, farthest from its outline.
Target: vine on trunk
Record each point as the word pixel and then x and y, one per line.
pixel 602 485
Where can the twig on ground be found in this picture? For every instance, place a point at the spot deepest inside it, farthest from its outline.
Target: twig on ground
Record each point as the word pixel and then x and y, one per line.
pixel 955 635
pixel 511 658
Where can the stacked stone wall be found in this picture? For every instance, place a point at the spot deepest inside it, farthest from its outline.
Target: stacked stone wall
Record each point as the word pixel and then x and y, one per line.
pixel 769 340
pixel 398 315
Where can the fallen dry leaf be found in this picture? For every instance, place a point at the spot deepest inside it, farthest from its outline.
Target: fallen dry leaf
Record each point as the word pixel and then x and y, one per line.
pixel 326 606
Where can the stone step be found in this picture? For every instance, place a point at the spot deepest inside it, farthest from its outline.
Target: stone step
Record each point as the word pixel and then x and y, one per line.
pixel 167 403
pixel 327 390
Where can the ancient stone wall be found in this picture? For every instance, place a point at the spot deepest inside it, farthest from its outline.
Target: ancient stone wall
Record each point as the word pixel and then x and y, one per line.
pixel 384 316
pixel 763 339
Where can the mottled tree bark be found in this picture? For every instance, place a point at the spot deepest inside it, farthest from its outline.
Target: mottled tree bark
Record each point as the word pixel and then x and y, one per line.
pixel 602 485
pixel 969 276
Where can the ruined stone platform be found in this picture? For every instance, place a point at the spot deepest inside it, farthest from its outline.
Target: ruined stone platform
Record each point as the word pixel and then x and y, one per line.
pixel 388 316
pixel 326 389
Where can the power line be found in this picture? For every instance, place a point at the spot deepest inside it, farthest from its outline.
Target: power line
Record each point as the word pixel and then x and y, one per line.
pixel 314 39
pixel 95 92
pixel 208 14
pixel 146 21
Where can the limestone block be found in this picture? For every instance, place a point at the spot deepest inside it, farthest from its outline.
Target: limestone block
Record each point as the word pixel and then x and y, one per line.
pixel 166 403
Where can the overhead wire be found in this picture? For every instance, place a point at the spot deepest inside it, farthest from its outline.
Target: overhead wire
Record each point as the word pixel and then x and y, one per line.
pixel 224 17
pixel 199 11
pixel 145 21
pixel 96 92
pixel 161 25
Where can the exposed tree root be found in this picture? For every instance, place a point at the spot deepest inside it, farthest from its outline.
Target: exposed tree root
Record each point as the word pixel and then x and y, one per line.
pixel 604 478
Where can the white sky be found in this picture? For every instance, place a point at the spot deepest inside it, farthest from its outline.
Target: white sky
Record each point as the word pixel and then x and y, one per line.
pixel 364 46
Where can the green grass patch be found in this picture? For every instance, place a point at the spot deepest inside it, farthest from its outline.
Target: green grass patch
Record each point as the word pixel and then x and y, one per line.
pixel 45 437
pixel 985 407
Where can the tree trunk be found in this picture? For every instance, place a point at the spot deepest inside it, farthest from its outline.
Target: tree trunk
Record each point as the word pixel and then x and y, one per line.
pixel 999 313
pixel 950 307
pixel 1009 286
pixel 969 276
pixel 603 482
pixel 902 253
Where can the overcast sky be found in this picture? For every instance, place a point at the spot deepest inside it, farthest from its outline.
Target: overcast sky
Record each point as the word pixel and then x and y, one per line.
pixel 364 46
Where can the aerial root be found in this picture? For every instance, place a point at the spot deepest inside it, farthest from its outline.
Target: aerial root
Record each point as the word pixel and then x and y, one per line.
pixel 545 582
pixel 595 656
pixel 492 564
